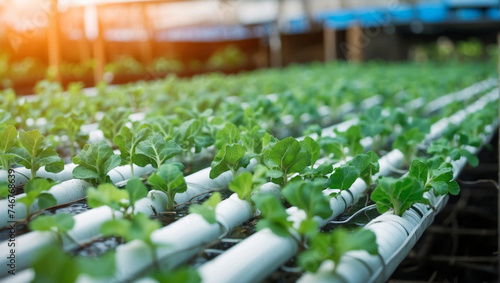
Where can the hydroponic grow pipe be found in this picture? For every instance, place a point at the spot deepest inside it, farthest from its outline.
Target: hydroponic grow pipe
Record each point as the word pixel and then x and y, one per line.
pixel 229 215
pixel 257 256
pixel 87 224
pixel 186 237
pixel 461 95
pixel 66 192
pixel 134 250
pixel 22 174
pixel 395 236
pixel 197 183
pixel 221 220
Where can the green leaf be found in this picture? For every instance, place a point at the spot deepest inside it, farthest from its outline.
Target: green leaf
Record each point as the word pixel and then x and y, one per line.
pixel 4 190
pixel 242 185
pixel 312 148
pixel 36 152
pixel 60 268
pixel 104 266
pixel 183 274
pixel 435 173
pixel 113 121
pixel 228 135
pixel 140 228
pixel 333 246
pixel 332 147
pixel 398 194
pixel 127 142
pixel 155 151
pixel 288 157
pixel 407 143
pixel 255 140
pixel 367 165
pixel 136 190
pixel 46 200
pixel 69 124
pixel 8 139
pixel 94 162
pixel 230 157
pixel 351 139
pixel 371 122
pixel 170 180
pixel 309 197
pixel 36 189
pixel 207 209
pixel 116 227
pixel 274 214
pixel 108 194
pixel 343 177
pixel 60 222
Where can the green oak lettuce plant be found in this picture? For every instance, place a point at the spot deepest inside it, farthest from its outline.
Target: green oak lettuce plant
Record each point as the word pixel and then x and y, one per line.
pixel 34 152
pixel 8 141
pixel 334 245
pixel 169 179
pixel 37 191
pixel 285 158
pixel 69 124
pixel 127 141
pixel 59 223
pixel 94 162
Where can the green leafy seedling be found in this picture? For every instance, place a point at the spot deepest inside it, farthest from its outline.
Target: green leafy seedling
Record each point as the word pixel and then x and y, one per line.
pixel 35 152
pixel 139 227
pixel 309 197
pixel 435 173
pixel 64 268
pixel 243 186
pixel 207 209
pixel 94 162
pixel 127 142
pixel 8 140
pixel 228 135
pixel 333 246
pixel 37 190
pixel 286 157
pixel 343 177
pixel 59 223
pixel 69 124
pixel 367 165
pixel 230 158
pixel 408 142
pixel 170 180
pixel 113 121
pixel 274 214
pixel 183 274
pixel 155 151
pixel 398 194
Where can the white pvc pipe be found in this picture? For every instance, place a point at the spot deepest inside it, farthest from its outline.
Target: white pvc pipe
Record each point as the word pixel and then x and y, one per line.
pixel 212 271
pixel 87 224
pixel 395 236
pixel 223 221
pixel 86 228
pixel 67 192
pixel 461 95
pixel 264 246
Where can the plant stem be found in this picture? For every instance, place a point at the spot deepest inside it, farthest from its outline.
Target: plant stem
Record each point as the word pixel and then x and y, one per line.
pixel 33 172
pixel 72 145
